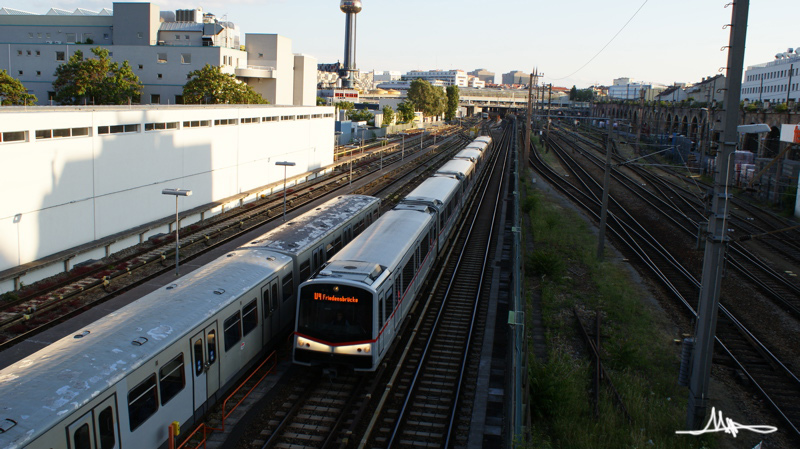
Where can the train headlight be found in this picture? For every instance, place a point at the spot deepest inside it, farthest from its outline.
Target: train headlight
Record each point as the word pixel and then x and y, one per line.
pixel 361 349
pixel 305 343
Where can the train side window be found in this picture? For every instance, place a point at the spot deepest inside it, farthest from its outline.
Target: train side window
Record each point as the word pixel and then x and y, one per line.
pixel 198 357
pixel 250 317
pixel 265 301
pixel 211 342
pixel 389 305
pixel 233 330
pixel 381 312
pixel 418 257
pixel 171 379
pixel 105 426
pixel 82 438
pixel 424 246
pixel 408 273
pixel 305 269
pixel 316 260
pixel 142 402
pixel 398 284
pixel 288 287
pixel 274 298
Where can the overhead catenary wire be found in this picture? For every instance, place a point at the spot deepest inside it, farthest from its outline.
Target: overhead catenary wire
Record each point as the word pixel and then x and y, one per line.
pixel 606 45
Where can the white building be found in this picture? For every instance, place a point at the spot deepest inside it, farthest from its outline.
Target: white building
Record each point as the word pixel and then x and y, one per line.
pixel 775 81
pixel 73 176
pixel 627 89
pixel 475 82
pixel 387 75
pixel 448 77
pixel 162 47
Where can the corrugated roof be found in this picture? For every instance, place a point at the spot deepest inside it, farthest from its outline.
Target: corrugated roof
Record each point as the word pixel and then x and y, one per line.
pixel 181 26
pixel 14 12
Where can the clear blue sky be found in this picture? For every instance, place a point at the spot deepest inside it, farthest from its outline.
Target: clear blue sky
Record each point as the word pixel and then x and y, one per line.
pixel 667 41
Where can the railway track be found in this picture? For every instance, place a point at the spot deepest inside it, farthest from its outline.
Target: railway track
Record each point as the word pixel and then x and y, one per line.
pixel 686 210
pixel 430 402
pixel 27 316
pixel 778 385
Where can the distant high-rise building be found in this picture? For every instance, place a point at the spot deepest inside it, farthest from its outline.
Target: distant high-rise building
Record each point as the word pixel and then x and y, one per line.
pixel 484 75
pixel 448 77
pixel 516 77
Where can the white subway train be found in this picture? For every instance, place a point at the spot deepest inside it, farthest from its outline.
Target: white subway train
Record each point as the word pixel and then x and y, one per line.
pixel 168 356
pixel 349 313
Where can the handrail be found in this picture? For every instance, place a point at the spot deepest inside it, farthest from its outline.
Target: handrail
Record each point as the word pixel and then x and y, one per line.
pixel 205 427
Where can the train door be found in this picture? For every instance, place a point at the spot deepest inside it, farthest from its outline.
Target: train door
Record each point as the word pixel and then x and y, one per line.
pixel 269 301
pixel 80 432
pixel 317 259
pixel 205 366
pixel 96 429
pixel 384 313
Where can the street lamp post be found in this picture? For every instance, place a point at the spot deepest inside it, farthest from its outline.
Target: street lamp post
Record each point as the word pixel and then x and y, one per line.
pixel 284 164
pixel 384 140
pixel 403 148
pixel 176 193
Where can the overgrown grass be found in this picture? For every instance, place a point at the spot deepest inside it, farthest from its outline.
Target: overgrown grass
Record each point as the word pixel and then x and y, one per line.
pixel 637 352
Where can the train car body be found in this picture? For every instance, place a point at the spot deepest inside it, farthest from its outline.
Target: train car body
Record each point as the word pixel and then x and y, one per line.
pixel 349 313
pixel 459 169
pixel 312 238
pixel 170 355
pixel 471 154
pixel 485 139
pixel 445 197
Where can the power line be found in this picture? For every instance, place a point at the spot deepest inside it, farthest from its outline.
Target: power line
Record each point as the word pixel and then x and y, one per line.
pixel 606 45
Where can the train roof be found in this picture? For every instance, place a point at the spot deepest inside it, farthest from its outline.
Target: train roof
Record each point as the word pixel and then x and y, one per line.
pixel 456 167
pixel 486 139
pixel 304 231
pixel 37 391
pixel 433 190
pixel 380 247
pixel 468 153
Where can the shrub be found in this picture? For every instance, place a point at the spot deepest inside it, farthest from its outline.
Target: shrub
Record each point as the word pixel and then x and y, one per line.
pixel 545 263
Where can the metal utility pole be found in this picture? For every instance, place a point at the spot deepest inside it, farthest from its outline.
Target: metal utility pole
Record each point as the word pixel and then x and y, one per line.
pixel 528 118
pixel 641 118
pixel 716 238
pixel 604 208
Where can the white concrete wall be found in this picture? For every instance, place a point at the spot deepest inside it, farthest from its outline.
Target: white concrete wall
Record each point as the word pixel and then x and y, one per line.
pixel 62 192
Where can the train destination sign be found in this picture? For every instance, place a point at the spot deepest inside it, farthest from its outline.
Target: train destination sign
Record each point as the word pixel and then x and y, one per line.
pixel 334 298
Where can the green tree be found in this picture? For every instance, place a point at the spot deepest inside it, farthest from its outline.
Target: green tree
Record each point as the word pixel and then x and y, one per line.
pixel 346 105
pixel 421 94
pixel 210 86
pixel 321 101
pixel 439 101
pixel 12 92
pixel 405 111
pixel 96 80
pixel 388 115
pixel 360 115
pixel 573 93
pixel 452 103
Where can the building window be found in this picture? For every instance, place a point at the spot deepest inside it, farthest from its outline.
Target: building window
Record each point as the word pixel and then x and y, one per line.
pixel 71 38
pixel 142 402
pixel 20 72
pixel 141 66
pixel 196 123
pixel 171 379
pixel 177 36
pixel 261 55
pixel 160 75
pixel 19 52
pixel 155 99
pixel 38 53
pixel 225 121
pixel 117 129
pixel 59 56
pixel 160 126
pixel 162 58
pixel 178 99
pixel 106 36
pixel 186 58
pixel 30 35
pixel 14 136
pixel 38 73
pixel 28 52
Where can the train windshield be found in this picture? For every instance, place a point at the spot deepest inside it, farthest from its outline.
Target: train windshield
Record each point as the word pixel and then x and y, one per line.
pixel 335 313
